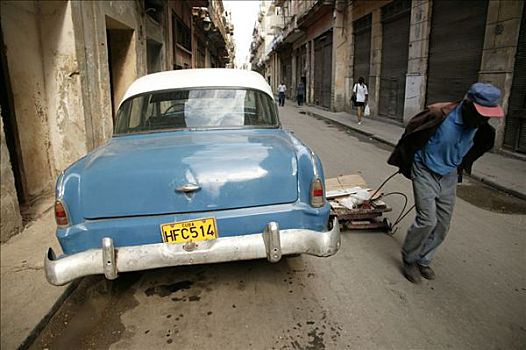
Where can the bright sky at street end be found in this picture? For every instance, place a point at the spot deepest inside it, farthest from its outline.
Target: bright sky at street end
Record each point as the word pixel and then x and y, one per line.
pixel 244 16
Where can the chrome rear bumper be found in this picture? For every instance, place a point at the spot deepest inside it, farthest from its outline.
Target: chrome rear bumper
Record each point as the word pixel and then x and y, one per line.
pixel 271 244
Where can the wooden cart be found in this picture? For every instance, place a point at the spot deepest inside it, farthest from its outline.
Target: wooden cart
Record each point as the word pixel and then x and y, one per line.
pixel 345 194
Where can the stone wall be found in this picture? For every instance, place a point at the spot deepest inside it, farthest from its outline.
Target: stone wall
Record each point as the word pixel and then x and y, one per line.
pixel 21 28
pixel 415 88
pixel 10 219
pixel 340 57
pixel 498 55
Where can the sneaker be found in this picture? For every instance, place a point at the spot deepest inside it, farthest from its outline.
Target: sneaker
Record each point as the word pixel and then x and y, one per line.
pixel 359 123
pixel 427 272
pixel 412 273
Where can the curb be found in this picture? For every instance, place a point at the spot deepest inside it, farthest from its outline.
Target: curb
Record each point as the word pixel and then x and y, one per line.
pixel 358 130
pixel 482 179
pixel 495 185
pixel 26 344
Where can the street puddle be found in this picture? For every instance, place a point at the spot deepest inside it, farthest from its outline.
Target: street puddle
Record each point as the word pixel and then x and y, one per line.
pixel 487 198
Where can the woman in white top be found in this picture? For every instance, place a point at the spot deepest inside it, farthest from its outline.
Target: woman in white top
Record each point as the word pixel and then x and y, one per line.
pixel 360 91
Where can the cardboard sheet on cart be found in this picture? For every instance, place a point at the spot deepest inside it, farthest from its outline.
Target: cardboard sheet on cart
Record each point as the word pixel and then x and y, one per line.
pixel 347 191
pixel 344 185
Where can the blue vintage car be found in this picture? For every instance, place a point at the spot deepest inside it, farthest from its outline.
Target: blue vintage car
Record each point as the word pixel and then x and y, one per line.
pixel 198 171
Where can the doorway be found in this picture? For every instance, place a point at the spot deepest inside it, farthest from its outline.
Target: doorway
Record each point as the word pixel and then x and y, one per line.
pixel 362 48
pixel 153 55
pixel 10 125
pixel 323 69
pixel 122 60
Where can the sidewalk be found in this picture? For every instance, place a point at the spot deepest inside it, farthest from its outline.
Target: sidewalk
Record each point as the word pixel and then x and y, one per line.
pixel 501 172
pixel 27 299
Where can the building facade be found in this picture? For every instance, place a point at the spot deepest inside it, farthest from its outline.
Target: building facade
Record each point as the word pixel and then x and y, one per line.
pixel 65 66
pixel 411 53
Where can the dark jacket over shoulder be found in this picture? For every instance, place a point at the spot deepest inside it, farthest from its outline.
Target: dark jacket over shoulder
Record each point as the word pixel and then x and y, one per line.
pixel 420 129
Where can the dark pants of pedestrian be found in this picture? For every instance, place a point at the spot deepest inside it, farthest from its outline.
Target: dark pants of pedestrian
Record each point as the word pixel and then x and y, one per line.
pixel 281 98
pixel 434 200
pixel 300 100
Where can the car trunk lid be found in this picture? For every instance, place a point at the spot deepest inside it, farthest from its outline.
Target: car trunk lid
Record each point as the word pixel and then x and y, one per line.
pixel 189 171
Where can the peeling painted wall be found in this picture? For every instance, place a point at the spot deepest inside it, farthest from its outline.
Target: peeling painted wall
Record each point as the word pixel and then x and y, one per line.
pixel 21 28
pixel 46 89
pixel 61 76
pixel 341 40
pixel 10 219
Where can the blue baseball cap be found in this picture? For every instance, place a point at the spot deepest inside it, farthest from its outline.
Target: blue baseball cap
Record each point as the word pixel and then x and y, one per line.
pixel 486 98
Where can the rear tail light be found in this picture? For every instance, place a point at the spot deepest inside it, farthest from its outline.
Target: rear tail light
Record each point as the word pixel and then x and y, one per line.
pixel 61 214
pixel 317 194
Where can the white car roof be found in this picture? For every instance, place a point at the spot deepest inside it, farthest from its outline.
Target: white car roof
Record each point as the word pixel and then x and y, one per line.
pixel 202 77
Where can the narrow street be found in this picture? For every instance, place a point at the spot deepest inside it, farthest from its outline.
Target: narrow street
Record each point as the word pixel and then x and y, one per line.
pixel 357 299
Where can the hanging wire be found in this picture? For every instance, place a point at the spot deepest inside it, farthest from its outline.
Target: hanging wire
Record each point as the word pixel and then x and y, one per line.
pixel 382 185
pixel 402 214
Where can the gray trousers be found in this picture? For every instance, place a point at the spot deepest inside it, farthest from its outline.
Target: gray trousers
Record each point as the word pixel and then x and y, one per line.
pixel 434 201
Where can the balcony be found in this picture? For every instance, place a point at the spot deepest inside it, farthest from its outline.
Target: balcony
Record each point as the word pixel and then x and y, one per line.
pixel 292 32
pixel 310 15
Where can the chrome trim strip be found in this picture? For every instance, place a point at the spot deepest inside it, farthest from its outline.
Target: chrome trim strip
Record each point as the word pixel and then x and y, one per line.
pixel 151 256
pixel 314 163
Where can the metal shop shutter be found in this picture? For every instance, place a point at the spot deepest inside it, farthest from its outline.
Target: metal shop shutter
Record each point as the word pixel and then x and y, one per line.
pixel 515 131
pixel 455 48
pixel 323 69
pixel 362 48
pixel 396 19
pixel 301 56
pixel 286 73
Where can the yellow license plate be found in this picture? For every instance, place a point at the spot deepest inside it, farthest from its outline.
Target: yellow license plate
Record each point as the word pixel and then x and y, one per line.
pixel 186 231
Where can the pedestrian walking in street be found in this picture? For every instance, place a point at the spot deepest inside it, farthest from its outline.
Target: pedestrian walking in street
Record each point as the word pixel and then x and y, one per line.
pixel 300 93
pixel 361 96
pixel 437 145
pixel 281 93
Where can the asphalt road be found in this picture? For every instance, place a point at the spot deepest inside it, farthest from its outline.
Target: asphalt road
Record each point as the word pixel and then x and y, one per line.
pixel 357 299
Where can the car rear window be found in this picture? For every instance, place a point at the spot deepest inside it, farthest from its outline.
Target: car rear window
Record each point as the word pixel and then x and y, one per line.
pixel 209 108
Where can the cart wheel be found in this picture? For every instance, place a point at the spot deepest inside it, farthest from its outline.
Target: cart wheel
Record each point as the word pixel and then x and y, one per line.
pixel 389 229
